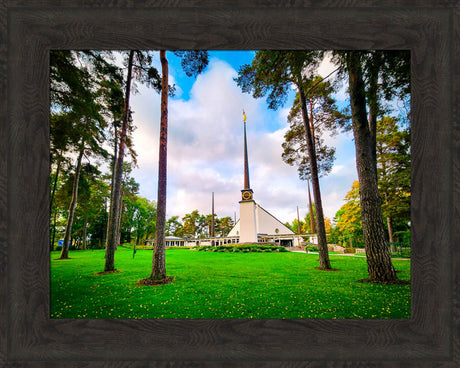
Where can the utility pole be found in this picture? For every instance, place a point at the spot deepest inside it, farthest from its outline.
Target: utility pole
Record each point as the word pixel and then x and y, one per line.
pixel 298 221
pixel 212 217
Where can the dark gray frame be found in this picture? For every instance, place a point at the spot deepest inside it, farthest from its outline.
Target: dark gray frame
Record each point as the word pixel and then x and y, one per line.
pixel 29 29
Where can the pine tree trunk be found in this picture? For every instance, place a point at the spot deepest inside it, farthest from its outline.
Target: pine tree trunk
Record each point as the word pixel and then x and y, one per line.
pixel 112 235
pixel 52 237
pixel 112 185
pixel 73 205
pixel 159 264
pixel 312 217
pixel 119 218
pixel 324 261
pixel 373 112
pixel 312 125
pixel 379 264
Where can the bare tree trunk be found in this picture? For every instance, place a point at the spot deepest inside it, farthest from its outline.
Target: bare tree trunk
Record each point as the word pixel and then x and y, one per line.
pixel 159 264
pixel 84 232
pixel 373 109
pixel 312 217
pixel 112 235
pixel 138 235
pixel 53 237
pixel 73 205
pixel 379 264
pixel 112 185
pixel 324 261
pixel 55 184
pixel 119 218
pixel 312 125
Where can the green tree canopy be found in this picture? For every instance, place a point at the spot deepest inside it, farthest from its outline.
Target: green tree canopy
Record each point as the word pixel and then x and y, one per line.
pixel 324 117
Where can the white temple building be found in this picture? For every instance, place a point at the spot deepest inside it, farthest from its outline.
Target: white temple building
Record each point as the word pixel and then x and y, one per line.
pixel 255 221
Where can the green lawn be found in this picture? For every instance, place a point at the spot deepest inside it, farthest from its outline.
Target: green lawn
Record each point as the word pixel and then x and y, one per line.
pixel 223 285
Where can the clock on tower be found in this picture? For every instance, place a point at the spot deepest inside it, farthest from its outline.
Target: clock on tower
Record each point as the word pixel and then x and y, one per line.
pixel 246 194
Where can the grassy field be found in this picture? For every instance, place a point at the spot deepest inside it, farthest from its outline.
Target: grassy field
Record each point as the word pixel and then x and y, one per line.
pixel 223 285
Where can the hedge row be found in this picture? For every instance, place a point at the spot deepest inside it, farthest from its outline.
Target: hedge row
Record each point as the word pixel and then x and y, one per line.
pixel 138 247
pixel 242 248
pixel 149 247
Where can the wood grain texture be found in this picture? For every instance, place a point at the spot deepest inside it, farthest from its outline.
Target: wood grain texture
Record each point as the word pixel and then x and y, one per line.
pixel 456 178
pixel 3 184
pixel 233 3
pixel 425 340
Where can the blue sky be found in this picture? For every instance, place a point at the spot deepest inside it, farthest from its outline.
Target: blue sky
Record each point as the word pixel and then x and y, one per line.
pixel 205 146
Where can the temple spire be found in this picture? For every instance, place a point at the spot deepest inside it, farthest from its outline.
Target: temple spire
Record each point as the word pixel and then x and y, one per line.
pixel 246 193
pixel 246 165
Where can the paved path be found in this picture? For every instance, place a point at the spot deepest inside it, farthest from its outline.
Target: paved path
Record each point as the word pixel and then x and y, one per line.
pixel 342 254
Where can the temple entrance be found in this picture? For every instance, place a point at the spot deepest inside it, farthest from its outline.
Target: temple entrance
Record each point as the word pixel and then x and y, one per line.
pixel 286 242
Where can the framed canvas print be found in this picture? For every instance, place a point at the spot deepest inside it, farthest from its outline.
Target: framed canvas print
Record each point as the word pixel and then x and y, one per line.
pixel 217 150
pixel 46 309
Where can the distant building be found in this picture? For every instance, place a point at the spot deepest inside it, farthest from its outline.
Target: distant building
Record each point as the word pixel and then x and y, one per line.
pixel 170 241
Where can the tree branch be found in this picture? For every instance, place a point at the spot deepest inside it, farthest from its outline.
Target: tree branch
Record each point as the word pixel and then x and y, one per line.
pixel 321 80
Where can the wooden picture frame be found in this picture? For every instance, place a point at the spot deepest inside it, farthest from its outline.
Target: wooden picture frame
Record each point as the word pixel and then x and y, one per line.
pixel 29 30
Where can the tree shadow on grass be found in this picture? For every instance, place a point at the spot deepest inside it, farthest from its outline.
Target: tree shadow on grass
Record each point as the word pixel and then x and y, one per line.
pixel 151 282
pixel 393 282
pixel 106 272
pixel 326 269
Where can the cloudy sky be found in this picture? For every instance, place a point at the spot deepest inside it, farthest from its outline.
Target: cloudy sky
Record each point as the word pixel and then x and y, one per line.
pixel 205 146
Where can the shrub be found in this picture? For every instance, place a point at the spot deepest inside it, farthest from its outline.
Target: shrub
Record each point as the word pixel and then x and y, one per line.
pixel 241 248
pixel 349 250
pixel 312 248
pixel 138 247
pixel 127 245
pixel 144 247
